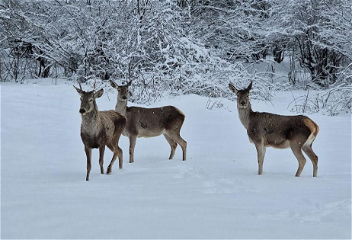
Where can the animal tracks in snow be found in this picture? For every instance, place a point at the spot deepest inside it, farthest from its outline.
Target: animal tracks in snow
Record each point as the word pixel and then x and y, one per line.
pixel 317 213
pixel 213 183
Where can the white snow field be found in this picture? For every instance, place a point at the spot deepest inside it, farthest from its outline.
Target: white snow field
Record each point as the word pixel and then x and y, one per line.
pixel 216 193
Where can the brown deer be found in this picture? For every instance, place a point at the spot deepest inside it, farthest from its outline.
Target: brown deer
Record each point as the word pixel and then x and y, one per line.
pixel 271 130
pixel 99 129
pixel 150 122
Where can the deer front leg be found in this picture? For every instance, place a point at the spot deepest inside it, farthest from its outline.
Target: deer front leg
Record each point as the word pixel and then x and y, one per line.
pixel 132 145
pixel 101 158
pixel 261 149
pixel 89 166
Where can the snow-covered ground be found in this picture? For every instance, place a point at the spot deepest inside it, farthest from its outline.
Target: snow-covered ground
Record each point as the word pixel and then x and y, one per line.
pixel 216 193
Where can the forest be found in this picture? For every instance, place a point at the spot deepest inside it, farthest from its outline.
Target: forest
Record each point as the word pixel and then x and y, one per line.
pixel 185 46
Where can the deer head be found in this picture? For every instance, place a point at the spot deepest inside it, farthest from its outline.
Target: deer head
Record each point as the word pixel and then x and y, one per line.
pixel 242 95
pixel 88 103
pixel 123 91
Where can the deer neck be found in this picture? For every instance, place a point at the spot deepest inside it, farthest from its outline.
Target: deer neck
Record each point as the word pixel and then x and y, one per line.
pixel 90 122
pixel 121 107
pixel 244 115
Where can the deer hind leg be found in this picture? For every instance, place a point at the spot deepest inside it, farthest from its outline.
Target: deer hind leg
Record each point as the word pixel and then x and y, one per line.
pixel 117 153
pixel 313 157
pixel 183 145
pixel 297 151
pixel 173 145
pixel 120 156
pixel 108 171
pixel 101 158
pixel 261 149
pixel 175 136
pixel 89 165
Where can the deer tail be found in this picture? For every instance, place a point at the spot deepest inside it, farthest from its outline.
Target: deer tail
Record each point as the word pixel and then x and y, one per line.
pixel 314 130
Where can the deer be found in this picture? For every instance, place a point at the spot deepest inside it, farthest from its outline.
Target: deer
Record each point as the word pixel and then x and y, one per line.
pixel 150 122
pixel 271 130
pixel 99 129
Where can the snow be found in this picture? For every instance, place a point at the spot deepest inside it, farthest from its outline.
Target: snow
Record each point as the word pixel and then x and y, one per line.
pixel 216 193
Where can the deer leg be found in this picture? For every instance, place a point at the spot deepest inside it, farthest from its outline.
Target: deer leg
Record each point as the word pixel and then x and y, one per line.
pixel 120 156
pixel 132 145
pixel 314 158
pixel 101 158
pixel 117 153
pixel 180 141
pixel 261 149
pixel 173 145
pixel 89 166
pixel 108 171
pixel 297 151
pixel 118 149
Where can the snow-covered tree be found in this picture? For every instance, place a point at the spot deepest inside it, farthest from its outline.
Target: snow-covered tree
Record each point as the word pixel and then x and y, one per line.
pixel 319 32
pixel 175 47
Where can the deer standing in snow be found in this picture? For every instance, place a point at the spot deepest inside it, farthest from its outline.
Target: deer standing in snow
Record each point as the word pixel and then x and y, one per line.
pixel 150 122
pixel 271 130
pixel 99 129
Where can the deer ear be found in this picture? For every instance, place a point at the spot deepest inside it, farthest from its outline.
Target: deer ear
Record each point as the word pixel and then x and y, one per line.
pixel 250 86
pixel 113 84
pixel 232 88
pixel 80 91
pixel 99 93
pixel 129 83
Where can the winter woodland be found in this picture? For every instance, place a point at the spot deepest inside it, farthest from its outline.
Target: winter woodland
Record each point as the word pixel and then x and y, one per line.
pixel 186 46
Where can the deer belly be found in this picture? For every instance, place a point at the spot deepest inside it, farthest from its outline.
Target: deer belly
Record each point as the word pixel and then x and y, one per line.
pixel 276 142
pixel 142 132
pixel 147 130
pixel 147 133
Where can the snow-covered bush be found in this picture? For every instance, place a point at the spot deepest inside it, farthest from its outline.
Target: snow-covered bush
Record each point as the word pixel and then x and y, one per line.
pixel 333 101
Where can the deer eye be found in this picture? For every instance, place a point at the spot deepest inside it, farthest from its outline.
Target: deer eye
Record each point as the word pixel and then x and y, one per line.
pixel 91 100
